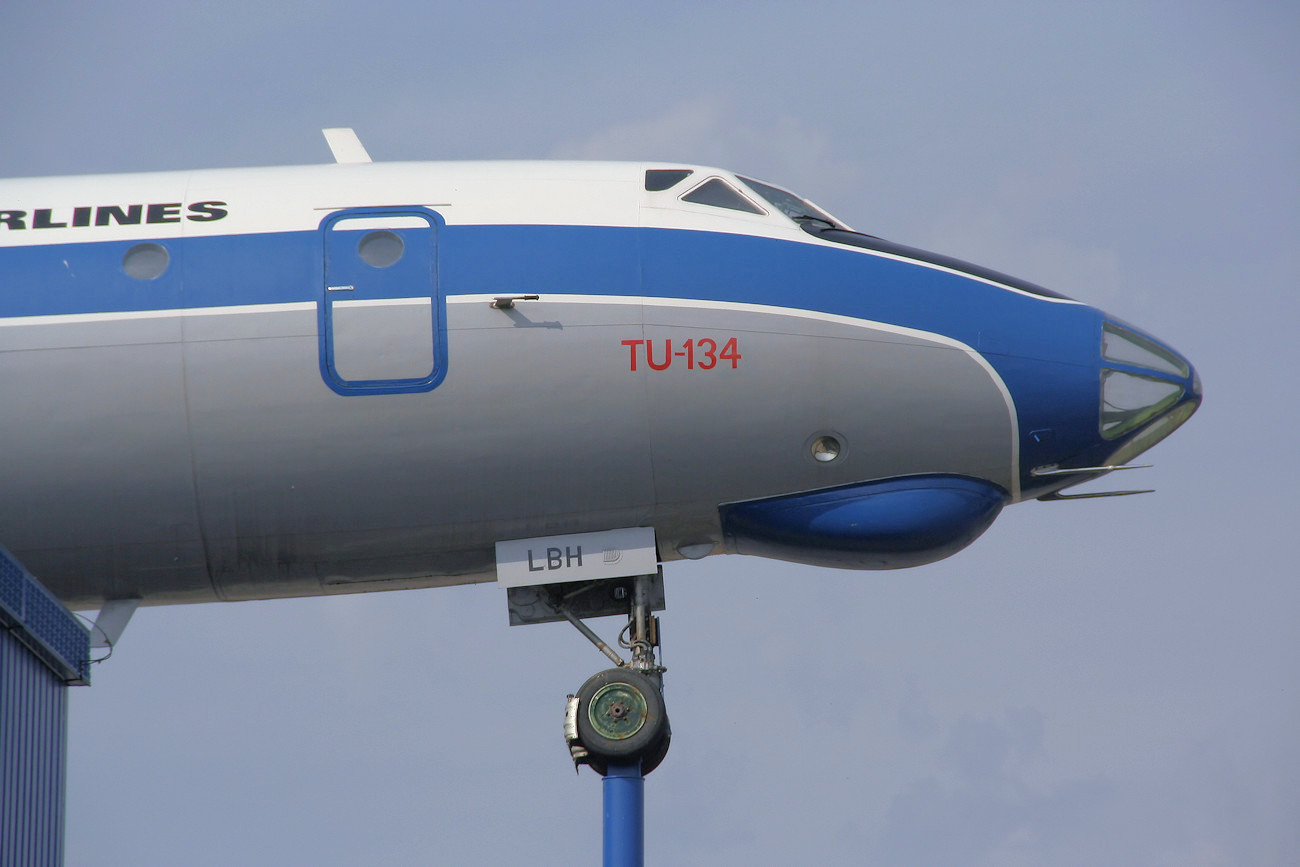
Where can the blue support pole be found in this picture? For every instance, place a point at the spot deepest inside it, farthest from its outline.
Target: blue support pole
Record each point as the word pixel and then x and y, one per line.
pixel 624 816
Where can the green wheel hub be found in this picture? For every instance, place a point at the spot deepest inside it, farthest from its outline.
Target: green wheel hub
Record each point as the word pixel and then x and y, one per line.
pixel 617 711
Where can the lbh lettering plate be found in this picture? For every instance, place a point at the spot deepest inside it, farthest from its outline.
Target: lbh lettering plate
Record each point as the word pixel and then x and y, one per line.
pixel 577 557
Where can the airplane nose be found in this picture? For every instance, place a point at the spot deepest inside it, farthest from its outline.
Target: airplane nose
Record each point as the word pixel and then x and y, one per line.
pixel 1147 391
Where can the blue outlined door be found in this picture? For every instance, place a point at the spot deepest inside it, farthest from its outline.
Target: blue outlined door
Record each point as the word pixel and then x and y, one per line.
pixel 381 314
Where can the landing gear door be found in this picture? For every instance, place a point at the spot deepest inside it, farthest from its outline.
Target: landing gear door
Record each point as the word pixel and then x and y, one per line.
pixel 381 315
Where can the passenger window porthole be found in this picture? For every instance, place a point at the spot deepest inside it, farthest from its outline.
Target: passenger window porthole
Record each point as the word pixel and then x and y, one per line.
pixel 380 249
pixel 825 449
pixel 146 261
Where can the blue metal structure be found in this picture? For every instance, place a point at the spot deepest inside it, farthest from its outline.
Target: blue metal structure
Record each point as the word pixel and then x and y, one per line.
pixel 43 650
pixel 624 826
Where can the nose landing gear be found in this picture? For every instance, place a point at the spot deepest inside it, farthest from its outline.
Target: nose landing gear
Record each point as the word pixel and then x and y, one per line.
pixel 618 716
pixel 616 723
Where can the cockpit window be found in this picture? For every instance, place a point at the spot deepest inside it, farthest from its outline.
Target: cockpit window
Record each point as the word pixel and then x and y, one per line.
pixel 663 179
pixel 788 203
pixel 720 194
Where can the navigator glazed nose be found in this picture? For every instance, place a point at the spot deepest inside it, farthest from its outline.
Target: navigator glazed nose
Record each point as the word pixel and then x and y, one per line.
pixel 1147 391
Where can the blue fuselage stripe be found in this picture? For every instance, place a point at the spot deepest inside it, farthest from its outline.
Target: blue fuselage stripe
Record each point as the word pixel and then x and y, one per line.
pixel 1045 350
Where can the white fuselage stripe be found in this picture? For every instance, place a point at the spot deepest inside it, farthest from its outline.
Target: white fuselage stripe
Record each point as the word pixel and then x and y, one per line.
pixel 130 315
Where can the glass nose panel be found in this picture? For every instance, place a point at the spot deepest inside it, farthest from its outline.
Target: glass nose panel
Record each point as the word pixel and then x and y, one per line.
pixel 1129 400
pixel 1126 347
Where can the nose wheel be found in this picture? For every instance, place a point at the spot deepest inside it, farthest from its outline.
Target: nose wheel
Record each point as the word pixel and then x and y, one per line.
pixel 618 717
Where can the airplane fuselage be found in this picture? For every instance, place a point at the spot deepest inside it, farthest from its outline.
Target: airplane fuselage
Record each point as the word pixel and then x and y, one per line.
pixel 237 384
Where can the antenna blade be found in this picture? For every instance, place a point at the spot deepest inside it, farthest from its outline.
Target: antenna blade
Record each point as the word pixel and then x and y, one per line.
pixel 1056 497
pixel 112 621
pixel 345 145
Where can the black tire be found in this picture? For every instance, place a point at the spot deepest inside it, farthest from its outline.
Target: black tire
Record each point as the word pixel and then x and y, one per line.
pixel 656 754
pixel 651 760
pixel 621 716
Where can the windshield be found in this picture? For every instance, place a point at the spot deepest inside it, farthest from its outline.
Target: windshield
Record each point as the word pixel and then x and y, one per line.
pixel 788 203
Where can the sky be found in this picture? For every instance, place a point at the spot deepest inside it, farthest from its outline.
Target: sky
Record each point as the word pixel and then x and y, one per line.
pixel 1112 681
